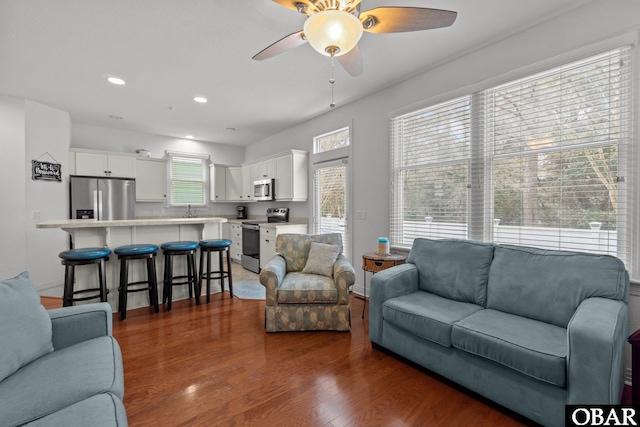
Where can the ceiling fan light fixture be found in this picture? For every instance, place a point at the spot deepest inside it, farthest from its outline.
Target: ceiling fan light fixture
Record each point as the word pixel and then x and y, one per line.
pixel 333 32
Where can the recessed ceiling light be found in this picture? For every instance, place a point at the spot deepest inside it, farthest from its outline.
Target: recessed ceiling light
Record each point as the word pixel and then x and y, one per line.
pixel 115 80
pixel 189 136
pixel 200 99
pixel 114 117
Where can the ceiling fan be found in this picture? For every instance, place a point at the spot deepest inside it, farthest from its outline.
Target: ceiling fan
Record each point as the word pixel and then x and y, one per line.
pixel 334 27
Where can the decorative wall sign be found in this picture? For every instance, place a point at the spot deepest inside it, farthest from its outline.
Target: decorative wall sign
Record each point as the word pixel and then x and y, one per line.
pixel 46 171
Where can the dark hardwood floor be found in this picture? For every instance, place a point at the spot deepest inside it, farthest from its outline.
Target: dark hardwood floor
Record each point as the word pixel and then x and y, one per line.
pixel 214 365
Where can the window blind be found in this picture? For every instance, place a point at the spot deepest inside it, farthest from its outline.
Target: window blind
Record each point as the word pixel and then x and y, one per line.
pixel 430 152
pixel 187 180
pixel 555 149
pixel 544 161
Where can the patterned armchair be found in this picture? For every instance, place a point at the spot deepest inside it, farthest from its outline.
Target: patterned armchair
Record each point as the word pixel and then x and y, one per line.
pixel 307 284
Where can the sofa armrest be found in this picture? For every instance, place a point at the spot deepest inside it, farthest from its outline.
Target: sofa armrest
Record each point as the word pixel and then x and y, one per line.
pixel 344 276
pixel 271 276
pixel 596 335
pixel 72 325
pixel 390 283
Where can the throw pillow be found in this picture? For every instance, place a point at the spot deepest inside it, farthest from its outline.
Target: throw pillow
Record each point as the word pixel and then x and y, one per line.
pixel 321 259
pixel 25 325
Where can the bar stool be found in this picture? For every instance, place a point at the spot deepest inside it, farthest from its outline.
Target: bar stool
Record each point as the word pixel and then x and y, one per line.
pixel 128 253
pixel 220 246
pixel 84 256
pixel 171 249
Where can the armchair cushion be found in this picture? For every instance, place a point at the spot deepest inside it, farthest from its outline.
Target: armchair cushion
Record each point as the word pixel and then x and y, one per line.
pixel 321 259
pixel 301 288
pixel 294 248
pixel 26 325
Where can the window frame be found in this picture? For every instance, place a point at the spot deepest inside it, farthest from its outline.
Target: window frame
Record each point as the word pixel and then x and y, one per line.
pixel 204 162
pixel 480 223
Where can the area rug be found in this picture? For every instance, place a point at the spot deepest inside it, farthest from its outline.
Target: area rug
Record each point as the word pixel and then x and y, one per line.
pixel 248 289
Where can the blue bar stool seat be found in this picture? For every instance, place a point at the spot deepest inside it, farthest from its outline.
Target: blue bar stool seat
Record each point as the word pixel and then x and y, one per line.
pixel 171 250
pixel 128 253
pixel 220 246
pixel 84 256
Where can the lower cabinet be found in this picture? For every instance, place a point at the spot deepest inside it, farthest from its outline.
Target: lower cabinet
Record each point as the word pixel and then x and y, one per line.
pixel 268 234
pixel 235 234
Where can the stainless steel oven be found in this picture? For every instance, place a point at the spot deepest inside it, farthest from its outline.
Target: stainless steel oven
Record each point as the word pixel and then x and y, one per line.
pixel 251 237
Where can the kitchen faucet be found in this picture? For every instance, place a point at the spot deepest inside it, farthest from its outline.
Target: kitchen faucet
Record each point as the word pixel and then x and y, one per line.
pixel 189 213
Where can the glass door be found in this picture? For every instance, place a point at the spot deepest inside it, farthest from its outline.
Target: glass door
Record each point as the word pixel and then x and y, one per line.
pixel 331 200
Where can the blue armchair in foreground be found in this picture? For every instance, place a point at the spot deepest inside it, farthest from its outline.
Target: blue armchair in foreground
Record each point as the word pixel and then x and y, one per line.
pixel 60 367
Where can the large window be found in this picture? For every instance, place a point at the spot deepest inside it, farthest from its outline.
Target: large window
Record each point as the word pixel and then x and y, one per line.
pixel 544 161
pixel 187 179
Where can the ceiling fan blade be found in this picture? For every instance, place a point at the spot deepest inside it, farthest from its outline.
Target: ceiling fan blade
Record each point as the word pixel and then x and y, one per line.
pixel 401 19
pixel 282 45
pixel 301 6
pixel 351 61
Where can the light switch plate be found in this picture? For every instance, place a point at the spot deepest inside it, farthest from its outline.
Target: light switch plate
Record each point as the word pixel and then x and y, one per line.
pixel 361 215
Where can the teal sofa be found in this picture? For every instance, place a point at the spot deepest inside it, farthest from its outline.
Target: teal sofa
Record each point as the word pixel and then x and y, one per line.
pixel 530 329
pixel 60 367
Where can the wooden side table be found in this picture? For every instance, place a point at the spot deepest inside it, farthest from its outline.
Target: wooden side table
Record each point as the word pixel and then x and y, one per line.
pixel 374 262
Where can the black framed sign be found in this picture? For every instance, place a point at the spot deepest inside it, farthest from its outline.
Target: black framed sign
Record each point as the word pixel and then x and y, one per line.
pixel 46 171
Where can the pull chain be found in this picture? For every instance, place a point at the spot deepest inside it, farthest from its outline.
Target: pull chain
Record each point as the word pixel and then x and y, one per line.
pixel 332 81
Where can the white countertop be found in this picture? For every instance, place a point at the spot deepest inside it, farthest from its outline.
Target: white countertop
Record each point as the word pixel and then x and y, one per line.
pixel 92 223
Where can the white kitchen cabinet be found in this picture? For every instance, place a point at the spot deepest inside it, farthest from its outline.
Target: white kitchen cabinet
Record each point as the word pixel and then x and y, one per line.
pixel 218 185
pixel 291 175
pixel 151 180
pixel 235 234
pixel 268 234
pixel 105 164
pixel 247 184
pixel 264 169
pixel 234 183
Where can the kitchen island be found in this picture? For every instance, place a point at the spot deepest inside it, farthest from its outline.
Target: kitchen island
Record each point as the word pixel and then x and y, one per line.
pixel 113 233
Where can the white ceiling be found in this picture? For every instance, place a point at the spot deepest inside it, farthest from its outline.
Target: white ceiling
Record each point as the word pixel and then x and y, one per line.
pixel 59 53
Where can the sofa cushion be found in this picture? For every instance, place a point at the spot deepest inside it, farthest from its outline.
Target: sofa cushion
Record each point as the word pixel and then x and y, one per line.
pixel 294 248
pixel 300 288
pixel 321 259
pixel 60 379
pixel 454 269
pixel 550 285
pixel 427 315
pixel 528 346
pixel 25 330
pixel 101 410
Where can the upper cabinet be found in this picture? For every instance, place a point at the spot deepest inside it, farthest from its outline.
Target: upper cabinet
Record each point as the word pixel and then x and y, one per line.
pixel 291 174
pixel 95 163
pixel 263 169
pixel 151 180
pixel 218 184
pixel 233 175
pixel 247 184
pixel 226 185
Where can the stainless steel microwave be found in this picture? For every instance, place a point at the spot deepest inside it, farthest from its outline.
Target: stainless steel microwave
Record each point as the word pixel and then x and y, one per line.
pixel 264 189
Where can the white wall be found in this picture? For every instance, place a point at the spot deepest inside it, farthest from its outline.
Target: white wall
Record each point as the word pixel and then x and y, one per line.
pixel 28 131
pixel 12 190
pixel 47 138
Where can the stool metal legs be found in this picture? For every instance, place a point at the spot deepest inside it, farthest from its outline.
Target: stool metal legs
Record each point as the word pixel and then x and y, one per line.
pixel 69 278
pixel 151 282
pixel 209 275
pixel 189 279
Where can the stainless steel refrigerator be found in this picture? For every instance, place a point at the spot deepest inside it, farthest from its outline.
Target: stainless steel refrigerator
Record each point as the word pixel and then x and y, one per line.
pixel 102 198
